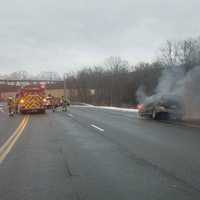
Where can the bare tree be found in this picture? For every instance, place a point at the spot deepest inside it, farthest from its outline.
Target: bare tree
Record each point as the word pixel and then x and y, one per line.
pixel 115 63
pixel 118 69
pixel 190 53
pixel 170 54
pixel 184 53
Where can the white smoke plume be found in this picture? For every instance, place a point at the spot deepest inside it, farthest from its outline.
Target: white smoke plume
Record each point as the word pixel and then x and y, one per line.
pixel 191 94
pixel 179 84
pixel 141 96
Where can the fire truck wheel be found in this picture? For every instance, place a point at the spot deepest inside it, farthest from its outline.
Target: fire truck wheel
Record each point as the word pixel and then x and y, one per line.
pixel 43 111
pixel 22 112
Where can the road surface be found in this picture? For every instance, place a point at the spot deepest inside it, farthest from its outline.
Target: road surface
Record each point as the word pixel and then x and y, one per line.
pixel 97 154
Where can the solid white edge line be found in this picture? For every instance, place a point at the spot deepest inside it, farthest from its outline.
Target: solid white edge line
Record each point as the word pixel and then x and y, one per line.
pixel 98 128
pixel 107 108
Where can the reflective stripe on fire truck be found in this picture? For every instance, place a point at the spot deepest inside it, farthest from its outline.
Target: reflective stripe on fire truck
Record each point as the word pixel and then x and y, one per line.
pixel 32 102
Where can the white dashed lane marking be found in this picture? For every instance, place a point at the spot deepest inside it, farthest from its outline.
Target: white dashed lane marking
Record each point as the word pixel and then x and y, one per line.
pixel 70 115
pixel 96 127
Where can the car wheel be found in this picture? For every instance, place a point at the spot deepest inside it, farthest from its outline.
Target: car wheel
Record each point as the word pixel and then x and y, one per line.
pixel 43 111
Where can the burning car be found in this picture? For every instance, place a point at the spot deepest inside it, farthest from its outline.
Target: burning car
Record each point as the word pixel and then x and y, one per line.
pixel 164 107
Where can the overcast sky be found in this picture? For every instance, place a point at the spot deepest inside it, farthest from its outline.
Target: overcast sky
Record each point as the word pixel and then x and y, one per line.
pixel 62 35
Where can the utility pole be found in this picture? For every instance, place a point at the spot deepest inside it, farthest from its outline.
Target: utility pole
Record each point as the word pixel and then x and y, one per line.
pixel 64 80
pixel 111 91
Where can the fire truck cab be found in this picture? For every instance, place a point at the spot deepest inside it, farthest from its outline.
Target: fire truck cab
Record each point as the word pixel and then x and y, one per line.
pixel 32 99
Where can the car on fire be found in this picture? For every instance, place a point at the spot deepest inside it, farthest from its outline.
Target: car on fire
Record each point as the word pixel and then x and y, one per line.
pixel 162 108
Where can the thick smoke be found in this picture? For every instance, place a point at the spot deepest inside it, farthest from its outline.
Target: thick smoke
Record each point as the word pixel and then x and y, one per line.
pixel 178 84
pixel 191 94
pixel 141 96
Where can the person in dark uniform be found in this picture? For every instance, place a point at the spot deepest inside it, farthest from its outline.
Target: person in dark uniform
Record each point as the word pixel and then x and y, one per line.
pixel 11 106
pixel 65 103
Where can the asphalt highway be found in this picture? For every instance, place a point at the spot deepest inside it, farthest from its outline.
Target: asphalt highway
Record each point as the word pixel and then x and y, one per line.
pixel 90 153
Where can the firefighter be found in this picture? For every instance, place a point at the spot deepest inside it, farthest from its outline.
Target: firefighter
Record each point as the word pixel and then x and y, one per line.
pixel 17 99
pixel 59 103
pixel 11 106
pixel 53 103
pixel 65 103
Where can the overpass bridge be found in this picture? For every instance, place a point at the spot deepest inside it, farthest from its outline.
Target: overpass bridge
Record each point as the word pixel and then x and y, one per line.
pixel 22 82
pixel 9 87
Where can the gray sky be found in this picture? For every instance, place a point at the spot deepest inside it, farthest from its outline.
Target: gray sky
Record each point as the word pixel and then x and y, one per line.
pixel 62 35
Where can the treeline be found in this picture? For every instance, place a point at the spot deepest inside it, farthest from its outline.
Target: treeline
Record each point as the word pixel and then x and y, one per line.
pixel 116 82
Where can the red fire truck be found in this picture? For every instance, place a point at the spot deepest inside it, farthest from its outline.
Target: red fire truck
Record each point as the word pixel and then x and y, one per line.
pixel 32 99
